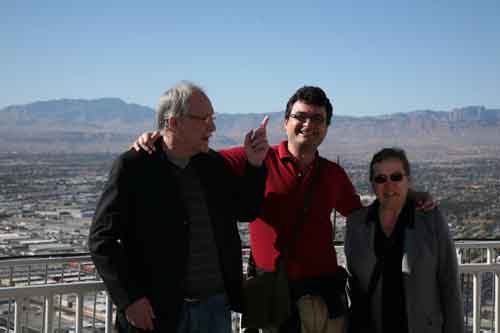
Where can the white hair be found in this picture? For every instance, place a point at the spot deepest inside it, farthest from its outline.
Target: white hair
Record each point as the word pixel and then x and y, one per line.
pixel 174 102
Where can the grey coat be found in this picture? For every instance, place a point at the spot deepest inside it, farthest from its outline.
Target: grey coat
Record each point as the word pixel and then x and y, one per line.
pixel 433 299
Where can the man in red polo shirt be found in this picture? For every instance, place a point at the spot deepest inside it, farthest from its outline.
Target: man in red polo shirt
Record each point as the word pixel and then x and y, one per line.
pixel 291 165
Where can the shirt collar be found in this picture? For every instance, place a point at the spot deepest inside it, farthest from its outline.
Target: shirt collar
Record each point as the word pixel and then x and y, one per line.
pixel 283 152
pixel 178 162
pixel 407 212
pixel 372 214
pixel 285 155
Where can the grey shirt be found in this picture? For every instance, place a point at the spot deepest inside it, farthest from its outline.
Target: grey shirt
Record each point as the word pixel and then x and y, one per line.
pixel 203 271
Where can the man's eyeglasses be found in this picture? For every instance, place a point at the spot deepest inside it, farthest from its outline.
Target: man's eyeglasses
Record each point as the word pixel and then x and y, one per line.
pixel 303 117
pixel 207 118
pixel 395 177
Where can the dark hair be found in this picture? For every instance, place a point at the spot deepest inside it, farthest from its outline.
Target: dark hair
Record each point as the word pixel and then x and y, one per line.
pixel 390 153
pixel 311 96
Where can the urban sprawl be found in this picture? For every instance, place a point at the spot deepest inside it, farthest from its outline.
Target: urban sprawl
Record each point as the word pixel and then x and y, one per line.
pixel 47 201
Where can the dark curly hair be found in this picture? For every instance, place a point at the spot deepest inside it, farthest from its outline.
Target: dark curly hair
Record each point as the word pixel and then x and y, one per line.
pixel 312 96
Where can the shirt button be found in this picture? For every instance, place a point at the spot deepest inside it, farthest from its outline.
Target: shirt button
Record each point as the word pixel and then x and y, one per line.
pixel 300 174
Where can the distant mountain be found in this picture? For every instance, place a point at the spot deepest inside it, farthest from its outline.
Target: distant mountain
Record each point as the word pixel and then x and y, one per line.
pixel 469 131
pixel 110 124
pixel 105 114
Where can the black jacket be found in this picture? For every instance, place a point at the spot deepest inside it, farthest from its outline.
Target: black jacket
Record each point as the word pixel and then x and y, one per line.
pixel 139 236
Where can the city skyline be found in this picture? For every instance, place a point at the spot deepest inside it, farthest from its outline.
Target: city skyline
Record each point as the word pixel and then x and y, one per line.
pixel 371 59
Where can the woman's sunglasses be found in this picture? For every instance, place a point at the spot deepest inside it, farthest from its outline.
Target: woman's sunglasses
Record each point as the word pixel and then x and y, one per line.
pixel 394 177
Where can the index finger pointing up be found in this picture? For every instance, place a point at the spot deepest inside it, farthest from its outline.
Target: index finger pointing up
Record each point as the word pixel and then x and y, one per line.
pixel 261 131
pixel 264 122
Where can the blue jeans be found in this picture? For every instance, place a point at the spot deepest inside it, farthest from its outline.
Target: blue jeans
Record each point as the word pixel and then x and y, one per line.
pixel 211 315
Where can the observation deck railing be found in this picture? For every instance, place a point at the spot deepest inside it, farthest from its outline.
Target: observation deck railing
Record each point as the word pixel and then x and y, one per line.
pixel 65 294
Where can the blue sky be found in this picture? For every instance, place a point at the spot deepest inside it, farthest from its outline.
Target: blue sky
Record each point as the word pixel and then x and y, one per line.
pixel 371 57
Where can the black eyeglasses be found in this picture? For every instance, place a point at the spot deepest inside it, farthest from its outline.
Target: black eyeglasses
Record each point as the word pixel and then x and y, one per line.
pixel 394 177
pixel 303 117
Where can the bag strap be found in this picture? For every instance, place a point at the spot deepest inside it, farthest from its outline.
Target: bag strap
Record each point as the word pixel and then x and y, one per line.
pixel 300 220
pixel 285 252
pixel 334 224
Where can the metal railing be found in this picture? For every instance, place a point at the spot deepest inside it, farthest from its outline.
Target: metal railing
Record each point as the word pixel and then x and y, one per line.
pixel 64 294
pixel 479 265
pixel 59 294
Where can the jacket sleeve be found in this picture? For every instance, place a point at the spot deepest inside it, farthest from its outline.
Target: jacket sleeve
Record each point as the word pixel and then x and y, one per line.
pixel 247 184
pixel 449 285
pixel 249 192
pixel 108 234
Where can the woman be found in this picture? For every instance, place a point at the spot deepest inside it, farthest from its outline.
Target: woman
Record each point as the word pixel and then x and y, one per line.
pixel 407 256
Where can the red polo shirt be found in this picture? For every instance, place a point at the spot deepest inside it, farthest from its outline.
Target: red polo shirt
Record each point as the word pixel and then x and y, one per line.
pixel 314 253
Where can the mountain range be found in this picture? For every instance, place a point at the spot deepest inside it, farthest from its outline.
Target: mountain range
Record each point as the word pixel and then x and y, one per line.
pixel 110 125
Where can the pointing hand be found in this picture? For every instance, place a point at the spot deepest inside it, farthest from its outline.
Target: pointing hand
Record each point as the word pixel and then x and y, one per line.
pixel 256 145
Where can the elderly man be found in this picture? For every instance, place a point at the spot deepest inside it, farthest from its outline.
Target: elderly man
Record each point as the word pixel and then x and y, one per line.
pixel 164 236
